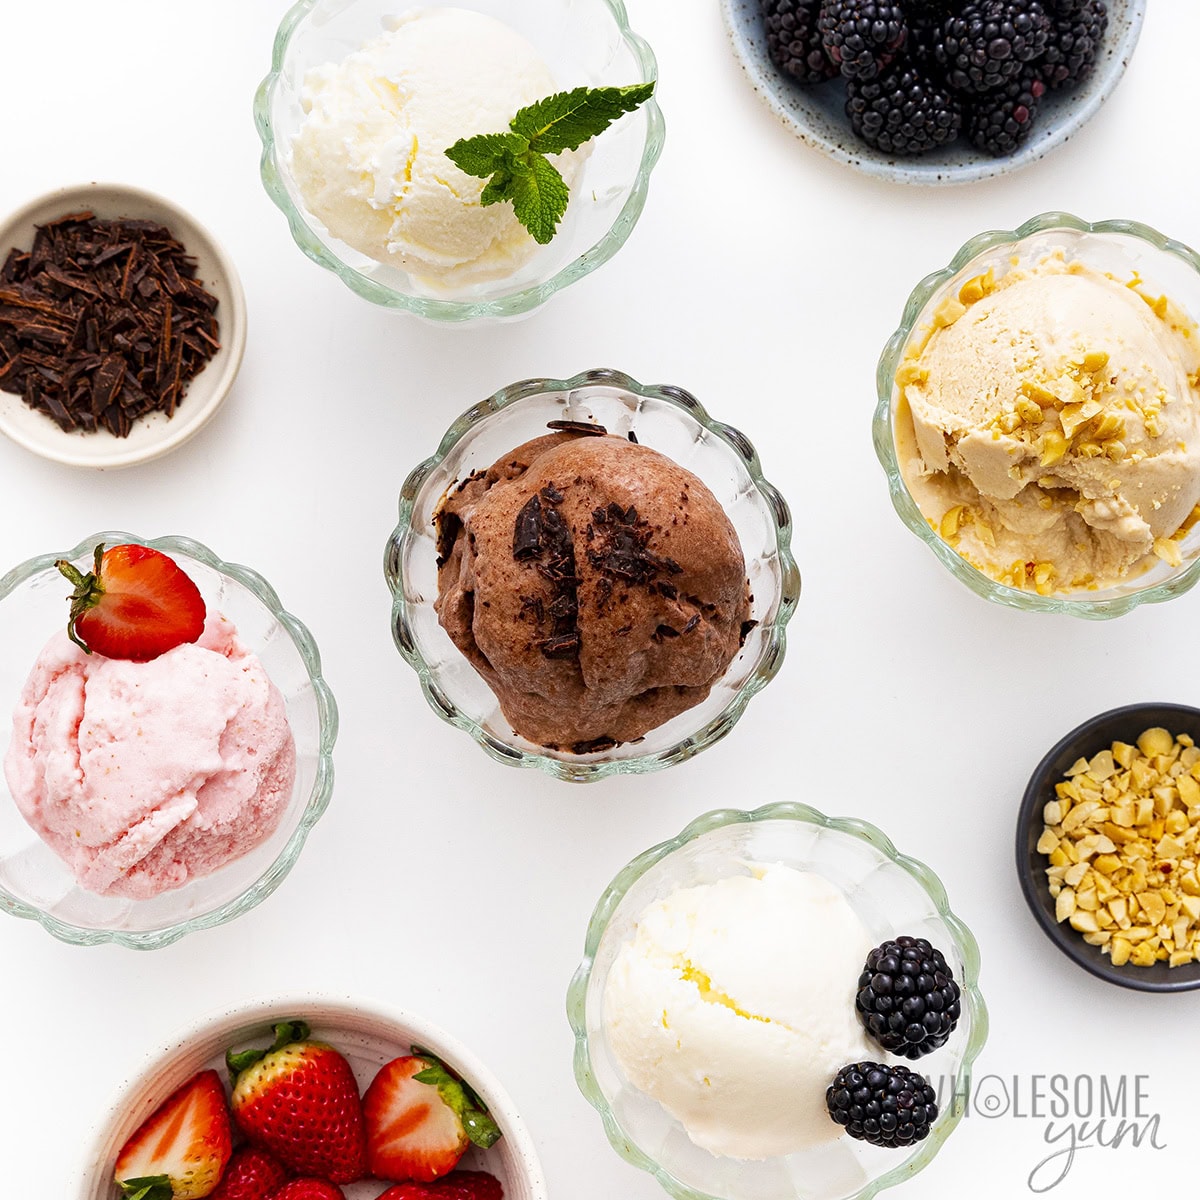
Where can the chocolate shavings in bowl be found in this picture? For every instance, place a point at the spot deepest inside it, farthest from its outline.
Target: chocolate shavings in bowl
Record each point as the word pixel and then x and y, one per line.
pixel 103 322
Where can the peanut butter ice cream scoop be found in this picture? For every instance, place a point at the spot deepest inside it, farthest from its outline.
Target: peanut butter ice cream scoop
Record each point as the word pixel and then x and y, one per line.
pixel 598 587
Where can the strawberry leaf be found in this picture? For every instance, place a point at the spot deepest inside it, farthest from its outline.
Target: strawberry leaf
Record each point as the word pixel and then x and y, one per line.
pixel 149 1187
pixel 461 1099
pixel 87 593
pixel 566 120
pixel 286 1032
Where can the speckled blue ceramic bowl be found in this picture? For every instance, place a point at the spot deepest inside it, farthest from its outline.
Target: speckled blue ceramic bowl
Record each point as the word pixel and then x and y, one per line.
pixel 817 114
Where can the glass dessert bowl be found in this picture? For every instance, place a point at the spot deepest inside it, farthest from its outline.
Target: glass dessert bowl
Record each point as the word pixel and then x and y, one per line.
pixel 581 44
pixel 888 894
pixel 37 884
pixel 1130 260
pixel 367 1032
pixel 664 419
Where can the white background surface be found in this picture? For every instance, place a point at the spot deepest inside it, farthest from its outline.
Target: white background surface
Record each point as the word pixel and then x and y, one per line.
pixel 765 279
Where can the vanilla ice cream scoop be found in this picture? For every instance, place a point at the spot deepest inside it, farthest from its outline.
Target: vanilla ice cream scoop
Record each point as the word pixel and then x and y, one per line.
pixel 733 1007
pixel 369 159
pixel 1050 426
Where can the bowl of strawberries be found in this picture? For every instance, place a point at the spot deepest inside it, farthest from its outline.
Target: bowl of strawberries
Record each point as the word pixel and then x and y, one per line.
pixel 313 1099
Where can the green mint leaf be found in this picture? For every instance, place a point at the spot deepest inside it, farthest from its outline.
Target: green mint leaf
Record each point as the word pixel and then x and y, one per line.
pixel 566 120
pixel 486 152
pixel 539 196
pixel 498 188
pixel 461 1099
pixel 515 164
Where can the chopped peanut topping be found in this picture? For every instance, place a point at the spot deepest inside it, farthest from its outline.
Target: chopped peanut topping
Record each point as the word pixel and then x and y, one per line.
pixel 1122 838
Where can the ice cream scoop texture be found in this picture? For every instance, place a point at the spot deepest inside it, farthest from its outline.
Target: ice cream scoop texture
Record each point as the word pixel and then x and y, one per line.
pixel 369 159
pixel 733 1007
pixel 597 586
pixel 143 776
pixel 1049 426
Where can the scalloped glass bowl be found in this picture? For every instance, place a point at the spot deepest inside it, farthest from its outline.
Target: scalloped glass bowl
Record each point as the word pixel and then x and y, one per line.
pixel 1120 247
pixel 892 894
pixel 584 42
pixel 367 1032
pixel 667 419
pixel 35 883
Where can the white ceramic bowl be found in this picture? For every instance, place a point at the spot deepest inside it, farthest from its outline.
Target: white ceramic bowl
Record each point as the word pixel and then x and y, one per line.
pixel 817 115
pixel 367 1032
pixel 156 434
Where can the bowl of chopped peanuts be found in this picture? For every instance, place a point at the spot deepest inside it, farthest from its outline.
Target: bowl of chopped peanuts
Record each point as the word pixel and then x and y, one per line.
pixel 1108 846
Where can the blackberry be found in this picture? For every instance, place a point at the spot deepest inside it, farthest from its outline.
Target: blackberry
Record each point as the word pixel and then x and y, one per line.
pixel 794 41
pixel 886 1106
pixel 904 111
pixel 861 36
pixel 907 998
pixel 1074 44
pixel 997 124
pixel 1056 9
pixel 989 41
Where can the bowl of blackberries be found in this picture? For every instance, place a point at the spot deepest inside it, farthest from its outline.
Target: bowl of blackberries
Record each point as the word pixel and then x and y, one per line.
pixel 934 91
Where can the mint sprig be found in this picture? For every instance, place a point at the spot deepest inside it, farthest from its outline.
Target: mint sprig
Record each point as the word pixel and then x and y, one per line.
pixel 515 163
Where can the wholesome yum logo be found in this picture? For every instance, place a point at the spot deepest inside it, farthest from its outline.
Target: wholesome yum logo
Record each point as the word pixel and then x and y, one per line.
pixel 1081 1112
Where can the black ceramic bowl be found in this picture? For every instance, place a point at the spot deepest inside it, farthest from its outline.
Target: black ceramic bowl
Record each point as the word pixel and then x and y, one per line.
pixel 1119 724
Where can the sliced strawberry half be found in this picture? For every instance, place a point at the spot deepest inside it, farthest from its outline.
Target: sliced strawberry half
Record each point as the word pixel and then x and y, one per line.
pixel 180 1150
pixel 135 603
pixel 461 1185
pixel 421 1119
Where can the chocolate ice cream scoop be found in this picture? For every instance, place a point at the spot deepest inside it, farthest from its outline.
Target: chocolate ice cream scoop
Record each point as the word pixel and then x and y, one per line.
pixel 598 587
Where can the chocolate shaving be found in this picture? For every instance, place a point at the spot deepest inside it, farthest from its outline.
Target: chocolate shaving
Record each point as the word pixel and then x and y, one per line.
pixel 584 427
pixel 693 621
pixel 103 322
pixel 595 745
pixel 662 632
pixel 527 533
pixel 632 437
pixel 542 539
pixel 624 553
pixel 745 631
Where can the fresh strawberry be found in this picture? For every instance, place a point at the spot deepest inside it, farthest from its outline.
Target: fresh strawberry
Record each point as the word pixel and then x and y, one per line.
pixel 308 1189
pixel 252 1174
pixel 180 1150
pixel 421 1119
pixel 299 1100
pixel 462 1185
pixel 136 603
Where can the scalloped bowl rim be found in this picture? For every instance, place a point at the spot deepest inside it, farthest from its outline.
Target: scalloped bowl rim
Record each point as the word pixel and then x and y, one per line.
pixel 981 584
pixel 448 311
pixel 807 815
pixel 322 789
pixel 770 660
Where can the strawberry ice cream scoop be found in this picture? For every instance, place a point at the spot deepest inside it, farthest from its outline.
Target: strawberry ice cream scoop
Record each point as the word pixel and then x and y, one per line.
pixel 142 776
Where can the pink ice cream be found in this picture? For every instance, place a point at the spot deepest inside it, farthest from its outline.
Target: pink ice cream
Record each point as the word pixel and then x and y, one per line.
pixel 143 776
